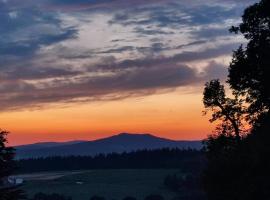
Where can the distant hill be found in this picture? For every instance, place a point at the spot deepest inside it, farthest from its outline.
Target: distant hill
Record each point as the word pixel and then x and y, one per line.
pixel 46 145
pixel 123 142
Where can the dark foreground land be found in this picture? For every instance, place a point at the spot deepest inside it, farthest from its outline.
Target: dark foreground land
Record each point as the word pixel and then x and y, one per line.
pixel 167 172
pixel 111 184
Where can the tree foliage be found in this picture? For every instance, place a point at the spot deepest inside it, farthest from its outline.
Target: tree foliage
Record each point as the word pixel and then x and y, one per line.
pixel 230 111
pixel 7 191
pixel 237 154
pixel 249 70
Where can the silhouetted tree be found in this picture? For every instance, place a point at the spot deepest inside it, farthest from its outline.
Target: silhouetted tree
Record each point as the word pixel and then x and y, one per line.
pixel 238 155
pixel 7 190
pixel 229 111
pixel 249 70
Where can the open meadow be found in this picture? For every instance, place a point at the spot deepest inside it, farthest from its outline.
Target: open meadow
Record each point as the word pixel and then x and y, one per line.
pixel 111 184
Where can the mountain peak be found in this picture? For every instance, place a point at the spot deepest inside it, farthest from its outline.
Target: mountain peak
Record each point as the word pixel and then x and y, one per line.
pixel 134 134
pixel 122 142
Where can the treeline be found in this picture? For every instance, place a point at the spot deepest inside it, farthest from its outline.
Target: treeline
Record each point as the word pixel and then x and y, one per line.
pixel 185 159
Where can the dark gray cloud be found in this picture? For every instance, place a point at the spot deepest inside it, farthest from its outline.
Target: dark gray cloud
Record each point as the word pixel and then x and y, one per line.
pixel 113 80
pixel 176 15
pixel 215 70
pixel 110 5
pixel 196 42
pixel 30 72
pixel 24 31
pixel 117 50
pixel 156 47
pixel 184 57
pixel 151 31
pixel 140 81
pixel 152 16
pixel 222 50
pixel 31 45
pixel 78 5
pixel 213 33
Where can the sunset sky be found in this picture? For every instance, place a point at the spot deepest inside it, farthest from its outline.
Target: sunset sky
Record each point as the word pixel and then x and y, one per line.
pixel 87 69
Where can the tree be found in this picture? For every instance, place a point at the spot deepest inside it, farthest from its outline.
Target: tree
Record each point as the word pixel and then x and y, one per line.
pixel 7 192
pixel 238 157
pixel 249 70
pixel 230 112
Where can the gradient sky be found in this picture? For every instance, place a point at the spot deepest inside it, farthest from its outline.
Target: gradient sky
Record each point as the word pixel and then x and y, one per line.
pixel 86 69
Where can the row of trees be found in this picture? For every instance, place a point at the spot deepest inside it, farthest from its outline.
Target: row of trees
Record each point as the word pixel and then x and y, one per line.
pixel 186 160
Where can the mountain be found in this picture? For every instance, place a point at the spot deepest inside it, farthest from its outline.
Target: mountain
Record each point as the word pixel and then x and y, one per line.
pixel 123 142
pixel 41 145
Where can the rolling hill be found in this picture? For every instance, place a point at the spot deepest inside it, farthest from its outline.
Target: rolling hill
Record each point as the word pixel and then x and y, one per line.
pixel 123 142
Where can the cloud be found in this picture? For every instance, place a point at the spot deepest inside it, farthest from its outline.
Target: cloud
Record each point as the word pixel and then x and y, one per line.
pixel 184 57
pixel 39 86
pixel 196 42
pixel 176 14
pixel 215 70
pixel 150 31
pixel 117 50
pixel 31 45
pixel 28 30
pixel 59 51
pixel 24 72
pixel 21 94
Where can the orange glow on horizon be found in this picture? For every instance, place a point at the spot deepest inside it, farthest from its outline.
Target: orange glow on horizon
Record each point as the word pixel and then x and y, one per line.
pixel 173 115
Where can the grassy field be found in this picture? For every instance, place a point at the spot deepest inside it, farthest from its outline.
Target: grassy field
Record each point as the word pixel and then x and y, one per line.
pixel 112 184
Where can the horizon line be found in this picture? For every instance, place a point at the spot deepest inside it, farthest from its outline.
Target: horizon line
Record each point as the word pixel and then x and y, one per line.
pixel 106 137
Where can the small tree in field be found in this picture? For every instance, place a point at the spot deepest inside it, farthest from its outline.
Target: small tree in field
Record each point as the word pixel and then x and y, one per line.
pixel 7 154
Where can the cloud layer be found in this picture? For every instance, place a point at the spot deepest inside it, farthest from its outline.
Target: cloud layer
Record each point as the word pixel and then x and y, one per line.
pixel 55 51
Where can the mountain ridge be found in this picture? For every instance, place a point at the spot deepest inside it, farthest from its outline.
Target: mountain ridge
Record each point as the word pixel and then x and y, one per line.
pixel 123 142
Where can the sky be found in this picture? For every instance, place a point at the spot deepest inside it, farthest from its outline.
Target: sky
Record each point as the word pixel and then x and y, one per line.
pixel 87 69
